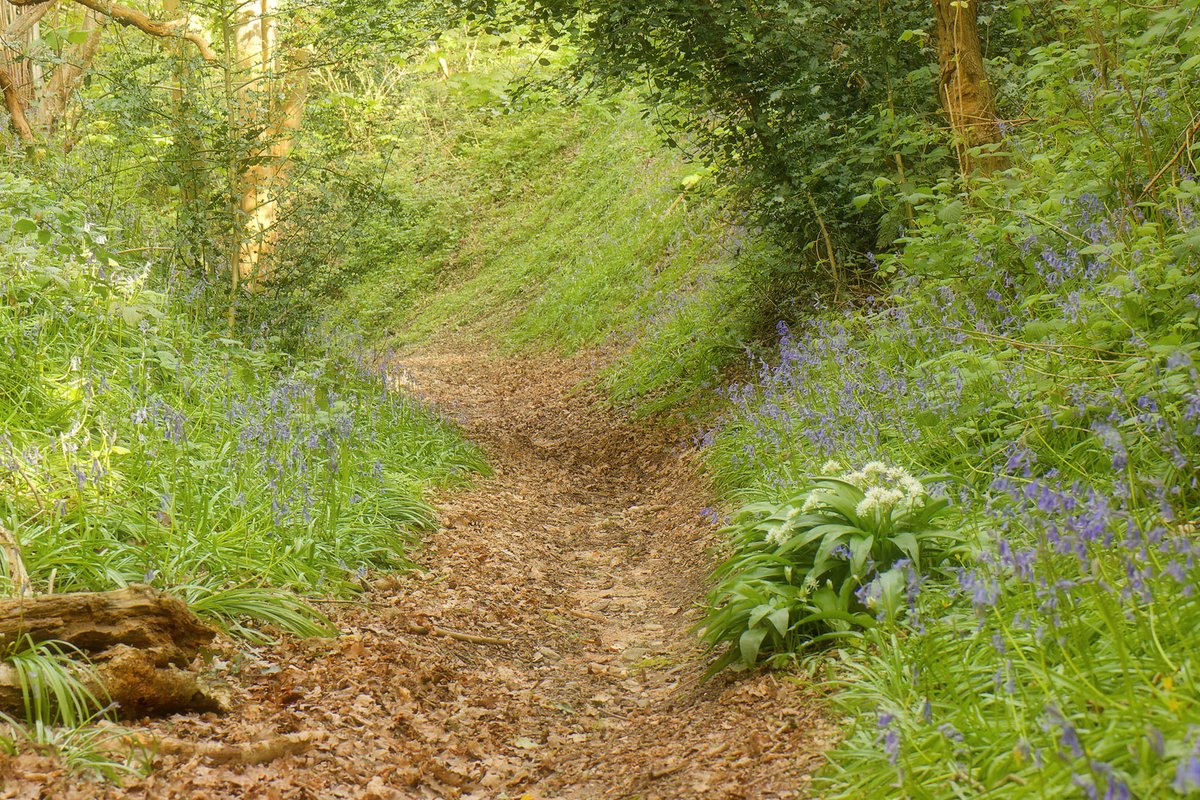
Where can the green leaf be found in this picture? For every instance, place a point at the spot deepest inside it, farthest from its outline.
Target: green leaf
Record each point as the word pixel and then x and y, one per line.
pixel 909 545
pixel 860 551
pixel 749 644
pixel 779 619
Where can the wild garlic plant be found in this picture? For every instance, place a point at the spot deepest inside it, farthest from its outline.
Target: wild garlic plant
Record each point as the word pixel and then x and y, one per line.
pixel 827 563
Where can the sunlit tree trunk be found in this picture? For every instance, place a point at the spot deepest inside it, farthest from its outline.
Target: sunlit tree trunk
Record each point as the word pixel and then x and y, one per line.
pixel 18 74
pixel 66 76
pixel 271 98
pixel 965 92
pixel 255 42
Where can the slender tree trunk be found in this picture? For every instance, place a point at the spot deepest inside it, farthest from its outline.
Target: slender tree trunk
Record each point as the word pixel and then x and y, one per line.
pixel 272 98
pixel 965 92
pixel 65 78
pixel 15 104
pixel 255 52
pixel 18 76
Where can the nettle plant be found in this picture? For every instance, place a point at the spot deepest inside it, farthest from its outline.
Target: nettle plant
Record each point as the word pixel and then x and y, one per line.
pixel 848 551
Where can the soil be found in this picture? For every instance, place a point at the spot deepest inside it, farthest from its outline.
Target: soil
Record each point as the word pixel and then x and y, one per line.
pixel 543 649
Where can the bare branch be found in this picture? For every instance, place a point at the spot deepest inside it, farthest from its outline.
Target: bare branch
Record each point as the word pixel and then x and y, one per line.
pixel 134 18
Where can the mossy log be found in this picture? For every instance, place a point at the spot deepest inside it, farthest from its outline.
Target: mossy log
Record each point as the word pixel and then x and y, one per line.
pixel 140 643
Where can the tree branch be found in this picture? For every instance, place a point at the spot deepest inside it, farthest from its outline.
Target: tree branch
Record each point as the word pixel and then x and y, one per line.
pixel 25 22
pixel 134 18
pixel 16 108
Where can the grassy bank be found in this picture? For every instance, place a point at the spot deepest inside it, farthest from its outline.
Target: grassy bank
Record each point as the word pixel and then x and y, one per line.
pixel 140 446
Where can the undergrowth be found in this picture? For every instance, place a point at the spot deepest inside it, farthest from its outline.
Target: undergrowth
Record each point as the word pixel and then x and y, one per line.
pixel 139 446
pixel 505 205
pixel 1037 340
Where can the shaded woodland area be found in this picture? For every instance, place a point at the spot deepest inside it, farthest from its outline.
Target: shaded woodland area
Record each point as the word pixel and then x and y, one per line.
pixel 566 386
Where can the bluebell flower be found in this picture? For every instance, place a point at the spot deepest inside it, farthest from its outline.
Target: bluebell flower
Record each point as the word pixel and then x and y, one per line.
pixel 1187 775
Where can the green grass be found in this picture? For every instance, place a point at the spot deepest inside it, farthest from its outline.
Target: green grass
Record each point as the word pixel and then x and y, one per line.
pixel 139 446
pixel 558 227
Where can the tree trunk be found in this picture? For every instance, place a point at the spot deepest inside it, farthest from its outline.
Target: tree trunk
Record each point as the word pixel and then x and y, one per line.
pixel 19 76
pixel 255 51
pixel 965 92
pixel 140 641
pixel 65 78
pixel 15 103
pixel 287 112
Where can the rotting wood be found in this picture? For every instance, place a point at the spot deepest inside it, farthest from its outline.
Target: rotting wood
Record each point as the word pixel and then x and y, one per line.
pixel 259 752
pixel 137 616
pixel 140 643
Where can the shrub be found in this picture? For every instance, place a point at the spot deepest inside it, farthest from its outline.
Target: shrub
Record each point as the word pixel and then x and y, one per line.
pixel 826 563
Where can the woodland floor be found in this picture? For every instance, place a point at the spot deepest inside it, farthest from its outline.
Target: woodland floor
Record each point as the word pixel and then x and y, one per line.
pixel 585 554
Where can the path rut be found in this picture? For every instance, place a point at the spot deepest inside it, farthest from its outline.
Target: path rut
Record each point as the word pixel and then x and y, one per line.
pixel 567 583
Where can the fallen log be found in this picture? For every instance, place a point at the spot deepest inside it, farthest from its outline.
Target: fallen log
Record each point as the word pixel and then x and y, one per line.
pixel 140 643
pixel 137 616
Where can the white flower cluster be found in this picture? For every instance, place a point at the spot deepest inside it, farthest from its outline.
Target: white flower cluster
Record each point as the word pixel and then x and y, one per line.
pixel 813 501
pixel 885 488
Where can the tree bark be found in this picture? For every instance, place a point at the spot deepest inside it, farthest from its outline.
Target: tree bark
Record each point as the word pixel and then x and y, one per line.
pixel 20 77
pixel 137 616
pixel 15 104
pixel 965 92
pixel 140 642
pixel 255 53
pixel 65 79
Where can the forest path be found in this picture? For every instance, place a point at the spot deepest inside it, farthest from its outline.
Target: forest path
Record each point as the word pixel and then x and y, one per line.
pixel 587 550
pixel 579 563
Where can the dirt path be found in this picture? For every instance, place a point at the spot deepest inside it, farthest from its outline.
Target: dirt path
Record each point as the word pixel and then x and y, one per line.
pixel 575 570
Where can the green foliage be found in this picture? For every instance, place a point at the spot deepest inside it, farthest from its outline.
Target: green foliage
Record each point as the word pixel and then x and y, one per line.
pixel 1038 339
pixel 486 180
pixel 52 681
pixel 139 447
pixel 808 108
pixel 824 564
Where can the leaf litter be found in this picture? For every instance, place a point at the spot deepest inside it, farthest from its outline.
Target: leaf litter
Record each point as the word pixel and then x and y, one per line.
pixel 543 650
